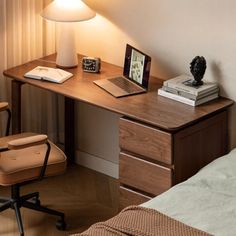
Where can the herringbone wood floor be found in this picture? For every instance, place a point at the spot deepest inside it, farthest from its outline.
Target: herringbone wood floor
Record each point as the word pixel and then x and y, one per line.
pixel 85 196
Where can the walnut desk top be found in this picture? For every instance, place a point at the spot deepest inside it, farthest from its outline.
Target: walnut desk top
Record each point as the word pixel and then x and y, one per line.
pixel 148 108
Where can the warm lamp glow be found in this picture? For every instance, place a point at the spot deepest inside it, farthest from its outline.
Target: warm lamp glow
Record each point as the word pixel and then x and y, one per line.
pixel 67 11
pixel 69 3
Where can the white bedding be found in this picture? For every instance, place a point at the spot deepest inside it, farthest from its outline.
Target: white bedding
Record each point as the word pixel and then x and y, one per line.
pixel 206 201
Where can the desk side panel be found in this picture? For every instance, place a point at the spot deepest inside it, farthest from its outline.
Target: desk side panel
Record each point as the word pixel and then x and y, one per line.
pixel 198 145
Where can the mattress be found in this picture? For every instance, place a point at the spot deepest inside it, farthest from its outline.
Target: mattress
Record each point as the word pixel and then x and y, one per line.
pixel 206 201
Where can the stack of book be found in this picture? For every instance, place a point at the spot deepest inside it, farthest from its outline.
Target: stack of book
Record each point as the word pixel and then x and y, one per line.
pixel 180 89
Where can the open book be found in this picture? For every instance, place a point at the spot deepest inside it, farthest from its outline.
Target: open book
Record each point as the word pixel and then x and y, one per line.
pixel 50 74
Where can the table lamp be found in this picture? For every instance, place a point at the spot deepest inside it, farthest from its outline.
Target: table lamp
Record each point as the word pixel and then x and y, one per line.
pixel 67 11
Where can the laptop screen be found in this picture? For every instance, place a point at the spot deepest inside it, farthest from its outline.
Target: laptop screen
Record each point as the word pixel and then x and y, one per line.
pixel 137 66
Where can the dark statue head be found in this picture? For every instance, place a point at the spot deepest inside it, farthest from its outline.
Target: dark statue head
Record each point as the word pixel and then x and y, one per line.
pixel 198 68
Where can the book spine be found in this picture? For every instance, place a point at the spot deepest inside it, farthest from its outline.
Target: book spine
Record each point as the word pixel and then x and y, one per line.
pixel 190 96
pixel 176 97
pixel 180 88
pixel 180 93
pixel 207 99
pixel 183 88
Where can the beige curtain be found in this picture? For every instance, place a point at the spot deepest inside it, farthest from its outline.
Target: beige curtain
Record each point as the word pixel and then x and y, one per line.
pixel 25 36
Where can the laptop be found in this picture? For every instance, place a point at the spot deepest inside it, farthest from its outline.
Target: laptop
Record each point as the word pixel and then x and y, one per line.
pixel 135 75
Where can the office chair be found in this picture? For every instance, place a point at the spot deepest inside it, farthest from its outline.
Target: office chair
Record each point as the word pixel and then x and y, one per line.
pixel 24 158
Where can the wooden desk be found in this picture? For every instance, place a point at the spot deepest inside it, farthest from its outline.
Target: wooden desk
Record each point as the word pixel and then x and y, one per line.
pixel 162 141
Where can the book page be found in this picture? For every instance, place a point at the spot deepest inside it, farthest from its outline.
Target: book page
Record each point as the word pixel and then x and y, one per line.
pixel 50 74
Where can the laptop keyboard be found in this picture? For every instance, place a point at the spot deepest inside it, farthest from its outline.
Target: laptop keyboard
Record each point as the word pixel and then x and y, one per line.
pixel 124 84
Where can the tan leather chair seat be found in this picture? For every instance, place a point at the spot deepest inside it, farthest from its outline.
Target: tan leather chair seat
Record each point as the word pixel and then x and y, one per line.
pixel 17 166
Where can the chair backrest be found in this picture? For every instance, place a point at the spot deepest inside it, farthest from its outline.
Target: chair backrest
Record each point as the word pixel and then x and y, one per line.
pixel 4 106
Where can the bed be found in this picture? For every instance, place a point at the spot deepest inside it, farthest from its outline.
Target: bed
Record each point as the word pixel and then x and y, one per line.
pixel 206 202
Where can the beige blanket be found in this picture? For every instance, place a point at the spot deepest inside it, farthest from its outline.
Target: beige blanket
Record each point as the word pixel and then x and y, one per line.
pixel 141 221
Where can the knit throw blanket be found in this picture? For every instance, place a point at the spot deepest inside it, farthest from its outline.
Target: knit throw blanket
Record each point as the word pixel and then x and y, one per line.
pixel 141 221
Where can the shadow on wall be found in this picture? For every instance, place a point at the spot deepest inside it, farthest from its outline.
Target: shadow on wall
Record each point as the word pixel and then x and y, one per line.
pixel 130 16
pixel 155 31
pixel 136 22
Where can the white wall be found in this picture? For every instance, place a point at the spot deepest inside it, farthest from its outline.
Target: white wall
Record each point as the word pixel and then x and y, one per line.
pixel 172 32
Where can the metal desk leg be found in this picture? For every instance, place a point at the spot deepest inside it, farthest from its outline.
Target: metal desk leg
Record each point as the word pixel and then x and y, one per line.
pixel 16 106
pixel 70 129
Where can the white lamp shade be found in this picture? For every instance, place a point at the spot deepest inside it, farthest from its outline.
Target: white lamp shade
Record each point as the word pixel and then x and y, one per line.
pixel 68 11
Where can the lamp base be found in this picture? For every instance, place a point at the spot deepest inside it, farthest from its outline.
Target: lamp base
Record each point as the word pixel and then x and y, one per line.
pixel 66 49
pixel 66 67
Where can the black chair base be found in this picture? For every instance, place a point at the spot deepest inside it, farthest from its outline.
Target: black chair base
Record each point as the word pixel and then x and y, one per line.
pixel 30 201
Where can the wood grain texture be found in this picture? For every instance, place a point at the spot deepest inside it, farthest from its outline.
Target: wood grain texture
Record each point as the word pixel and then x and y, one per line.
pixel 198 145
pixel 145 176
pixel 129 197
pixel 145 140
pixel 149 108
pixel 85 196
pixel 192 147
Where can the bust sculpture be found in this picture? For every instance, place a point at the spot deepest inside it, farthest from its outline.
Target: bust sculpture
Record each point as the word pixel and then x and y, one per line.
pixel 198 68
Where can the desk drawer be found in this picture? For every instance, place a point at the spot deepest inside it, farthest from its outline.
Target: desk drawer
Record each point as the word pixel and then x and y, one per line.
pixel 145 140
pixel 143 175
pixel 129 197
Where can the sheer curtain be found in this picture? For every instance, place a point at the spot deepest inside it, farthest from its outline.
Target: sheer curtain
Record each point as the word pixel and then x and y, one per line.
pixel 25 36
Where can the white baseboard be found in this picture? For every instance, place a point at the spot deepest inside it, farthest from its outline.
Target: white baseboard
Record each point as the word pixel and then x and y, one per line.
pixel 97 164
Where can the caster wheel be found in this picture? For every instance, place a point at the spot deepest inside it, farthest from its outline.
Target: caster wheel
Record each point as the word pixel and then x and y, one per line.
pixel 61 225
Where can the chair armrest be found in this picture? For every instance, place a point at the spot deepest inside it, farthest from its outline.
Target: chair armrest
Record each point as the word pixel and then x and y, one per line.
pixel 3 106
pixel 27 142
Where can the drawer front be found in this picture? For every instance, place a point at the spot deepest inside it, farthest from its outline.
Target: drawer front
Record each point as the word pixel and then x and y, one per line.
pixel 129 197
pixel 146 141
pixel 143 175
